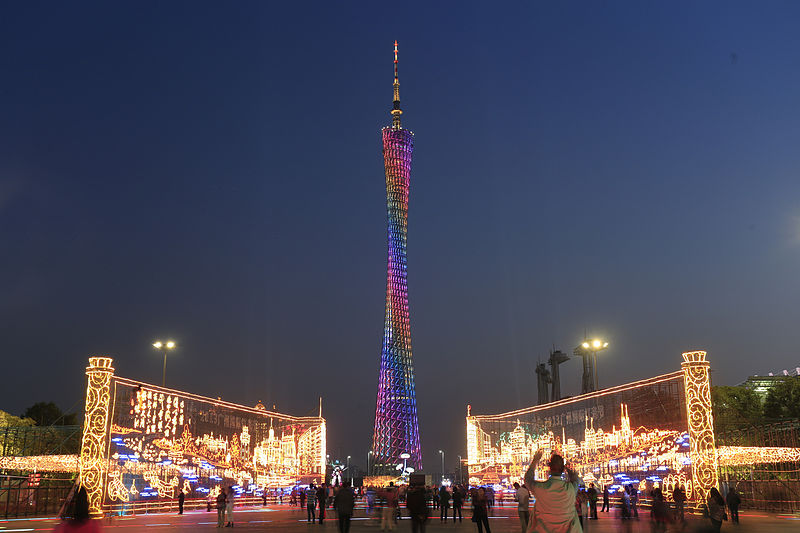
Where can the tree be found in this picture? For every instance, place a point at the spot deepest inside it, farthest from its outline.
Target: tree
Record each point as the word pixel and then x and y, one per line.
pixel 735 408
pixel 49 414
pixel 783 400
pixel 9 420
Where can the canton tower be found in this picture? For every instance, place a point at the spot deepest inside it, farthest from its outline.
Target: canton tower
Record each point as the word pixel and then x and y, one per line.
pixel 396 429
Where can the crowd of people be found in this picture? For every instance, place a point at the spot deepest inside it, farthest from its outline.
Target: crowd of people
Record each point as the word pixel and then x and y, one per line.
pixel 560 504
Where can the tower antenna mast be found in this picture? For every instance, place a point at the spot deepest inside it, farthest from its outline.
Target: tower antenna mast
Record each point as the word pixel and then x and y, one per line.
pixel 396 111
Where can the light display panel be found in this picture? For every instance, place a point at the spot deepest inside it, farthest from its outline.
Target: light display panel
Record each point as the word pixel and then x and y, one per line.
pixel 396 428
pixel 636 433
pixel 147 442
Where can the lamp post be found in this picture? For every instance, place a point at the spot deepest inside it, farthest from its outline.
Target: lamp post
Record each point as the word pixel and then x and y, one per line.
pixel 460 466
pixel 164 347
pixel 442 454
pixel 589 349
pixel 368 455
pixel 349 474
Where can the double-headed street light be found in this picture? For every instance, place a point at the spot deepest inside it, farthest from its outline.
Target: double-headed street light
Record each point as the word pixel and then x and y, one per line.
pixel 589 348
pixel 164 347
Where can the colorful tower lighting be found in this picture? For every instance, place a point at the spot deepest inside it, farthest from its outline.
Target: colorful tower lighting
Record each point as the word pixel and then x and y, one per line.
pixel 396 428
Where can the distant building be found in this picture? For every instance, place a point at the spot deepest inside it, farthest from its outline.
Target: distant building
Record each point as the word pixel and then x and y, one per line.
pixel 761 385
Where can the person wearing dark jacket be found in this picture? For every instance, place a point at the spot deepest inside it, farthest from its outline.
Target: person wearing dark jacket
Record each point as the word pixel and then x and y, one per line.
pixel 444 503
pixel 458 503
pixel 344 501
pixel 417 505
pixel 322 497
pixel 181 499
pixel 659 512
pixel 733 500
pixel 480 514
pixel 221 504
pixel 679 497
pixel 606 497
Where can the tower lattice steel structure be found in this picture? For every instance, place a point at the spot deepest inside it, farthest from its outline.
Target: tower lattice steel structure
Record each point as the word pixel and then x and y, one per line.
pixel 396 429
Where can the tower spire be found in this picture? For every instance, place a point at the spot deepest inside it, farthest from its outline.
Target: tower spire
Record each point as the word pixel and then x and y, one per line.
pixel 396 111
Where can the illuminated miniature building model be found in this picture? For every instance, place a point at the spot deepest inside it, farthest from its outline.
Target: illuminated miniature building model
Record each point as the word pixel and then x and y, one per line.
pixel 668 442
pixel 396 429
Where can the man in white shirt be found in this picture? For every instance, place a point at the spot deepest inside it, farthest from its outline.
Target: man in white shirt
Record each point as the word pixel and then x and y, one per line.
pixel 554 510
pixel 523 498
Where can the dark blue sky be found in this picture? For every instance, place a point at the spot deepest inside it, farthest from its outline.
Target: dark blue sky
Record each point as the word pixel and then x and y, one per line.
pixel 212 172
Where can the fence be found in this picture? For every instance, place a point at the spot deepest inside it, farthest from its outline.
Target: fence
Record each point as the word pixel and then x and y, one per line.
pixel 32 495
pixel 772 487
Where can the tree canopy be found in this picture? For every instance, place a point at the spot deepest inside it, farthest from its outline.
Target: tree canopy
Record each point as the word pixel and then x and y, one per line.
pixel 9 420
pixel 783 400
pixel 735 407
pixel 49 414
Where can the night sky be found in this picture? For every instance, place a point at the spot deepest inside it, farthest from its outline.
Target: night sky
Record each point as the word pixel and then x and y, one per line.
pixel 212 173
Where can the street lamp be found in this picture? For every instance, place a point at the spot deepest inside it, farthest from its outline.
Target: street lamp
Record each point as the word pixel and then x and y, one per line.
pixel 590 347
pixel 349 474
pixel 459 469
pixel 164 347
pixel 369 472
pixel 442 453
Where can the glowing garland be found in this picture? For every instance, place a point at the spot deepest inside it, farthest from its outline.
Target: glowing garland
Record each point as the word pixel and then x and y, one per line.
pixel 752 455
pixel 42 463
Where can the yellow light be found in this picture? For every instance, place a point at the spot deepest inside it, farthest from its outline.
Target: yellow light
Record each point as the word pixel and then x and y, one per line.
pixel 605 345
pixel 170 344
pixel 750 455
pixel 93 463
pixel 596 343
pixel 701 422
pixel 41 463
pixel 157 345
pixel 585 345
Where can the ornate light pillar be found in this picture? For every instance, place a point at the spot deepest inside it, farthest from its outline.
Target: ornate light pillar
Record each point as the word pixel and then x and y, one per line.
pixel 701 423
pixel 93 462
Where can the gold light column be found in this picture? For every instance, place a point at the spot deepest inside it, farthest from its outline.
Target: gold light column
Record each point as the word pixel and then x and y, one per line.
pixel 701 422
pixel 93 460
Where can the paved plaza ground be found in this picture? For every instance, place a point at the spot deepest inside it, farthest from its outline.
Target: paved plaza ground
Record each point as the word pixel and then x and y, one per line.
pixel 285 518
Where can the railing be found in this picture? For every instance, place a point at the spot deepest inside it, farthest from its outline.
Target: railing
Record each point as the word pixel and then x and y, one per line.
pixel 20 498
pixel 171 505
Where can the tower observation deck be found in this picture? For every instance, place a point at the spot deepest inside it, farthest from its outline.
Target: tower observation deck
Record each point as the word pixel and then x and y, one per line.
pixel 396 429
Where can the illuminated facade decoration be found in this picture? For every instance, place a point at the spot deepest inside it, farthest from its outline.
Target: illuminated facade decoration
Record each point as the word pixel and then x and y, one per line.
pixel 653 432
pixel 94 443
pixel 633 434
pixel 701 422
pixel 116 490
pixel 396 428
pixel 144 442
